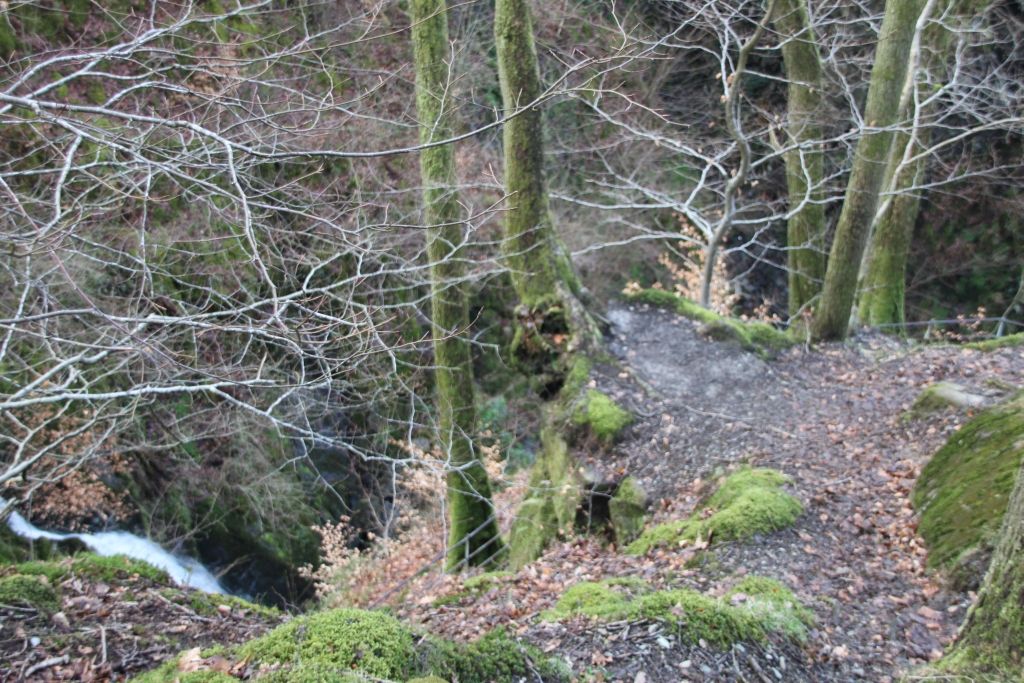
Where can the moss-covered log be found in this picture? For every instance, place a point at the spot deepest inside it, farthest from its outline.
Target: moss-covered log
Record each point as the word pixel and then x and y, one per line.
pixel 805 158
pixel 871 157
pixel 474 537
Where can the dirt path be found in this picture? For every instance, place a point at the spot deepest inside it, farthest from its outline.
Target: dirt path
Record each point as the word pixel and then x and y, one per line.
pixel 830 418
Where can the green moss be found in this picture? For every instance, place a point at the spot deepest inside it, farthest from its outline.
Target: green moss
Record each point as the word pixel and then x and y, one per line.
pixel 577 376
pixel 754 609
pixel 964 489
pixel 966 665
pixel 208 604
pixel 115 567
pixel 34 591
pixel 427 679
pixel 939 396
pixel 749 502
pixel 758 337
pixel 1007 342
pixel 344 639
pixel 602 416
pixel 590 599
pixel 555 493
pixel 626 509
pixel 53 571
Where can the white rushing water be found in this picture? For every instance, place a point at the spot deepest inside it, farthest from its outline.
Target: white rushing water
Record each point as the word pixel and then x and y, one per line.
pixel 183 570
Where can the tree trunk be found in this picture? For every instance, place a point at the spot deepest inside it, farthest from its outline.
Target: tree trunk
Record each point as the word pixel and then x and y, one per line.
pixel 871 157
pixel 992 636
pixel 474 537
pixel 805 162
pixel 883 287
pixel 542 275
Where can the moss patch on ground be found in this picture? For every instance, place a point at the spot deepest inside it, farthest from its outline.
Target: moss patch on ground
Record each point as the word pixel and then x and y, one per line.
pixel 1007 342
pixel 753 610
pixel 748 502
pixel 95 567
pixel 601 415
pixel 964 489
pixel 759 337
pixel 360 645
pixel 28 591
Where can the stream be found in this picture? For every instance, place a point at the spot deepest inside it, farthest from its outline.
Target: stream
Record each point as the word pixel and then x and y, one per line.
pixel 183 570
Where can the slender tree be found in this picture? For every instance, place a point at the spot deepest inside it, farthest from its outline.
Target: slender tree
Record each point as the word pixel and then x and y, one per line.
pixel 805 160
pixel 867 176
pixel 474 537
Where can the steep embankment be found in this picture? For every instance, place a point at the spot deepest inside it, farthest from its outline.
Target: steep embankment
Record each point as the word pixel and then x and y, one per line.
pixel 834 420
pixel 781 542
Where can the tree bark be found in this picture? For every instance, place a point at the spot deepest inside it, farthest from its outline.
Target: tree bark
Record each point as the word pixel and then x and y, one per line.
pixel 832 317
pixel 883 287
pixel 805 162
pixel 552 321
pixel 474 537
pixel 530 249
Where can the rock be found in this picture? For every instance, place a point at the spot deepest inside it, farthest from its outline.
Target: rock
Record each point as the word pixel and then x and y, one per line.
pixel 626 511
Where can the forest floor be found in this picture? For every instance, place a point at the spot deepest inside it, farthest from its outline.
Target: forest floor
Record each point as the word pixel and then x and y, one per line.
pixel 834 420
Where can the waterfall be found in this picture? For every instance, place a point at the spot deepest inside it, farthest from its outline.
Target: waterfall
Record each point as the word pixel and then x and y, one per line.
pixel 183 570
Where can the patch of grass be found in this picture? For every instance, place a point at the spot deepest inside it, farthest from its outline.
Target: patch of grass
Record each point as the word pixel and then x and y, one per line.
pixel 31 591
pixel 964 489
pixel 603 416
pixel 749 502
pixel 754 609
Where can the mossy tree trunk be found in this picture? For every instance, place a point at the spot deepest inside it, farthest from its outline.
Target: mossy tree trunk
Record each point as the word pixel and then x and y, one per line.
pixel 867 176
pixel 474 537
pixel 805 161
pixel 992 637
pixel 883 287
pixel 541 271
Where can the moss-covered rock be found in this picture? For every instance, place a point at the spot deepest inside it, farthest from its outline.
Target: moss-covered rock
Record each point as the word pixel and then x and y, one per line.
pixel 343 639
pixel 753 610
pixel 30 591
pixel 555 493
pixel 964 489
pixel 941 395
pixel 601 415
pixel 626 511
pixel 758 337
pixel 748 502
